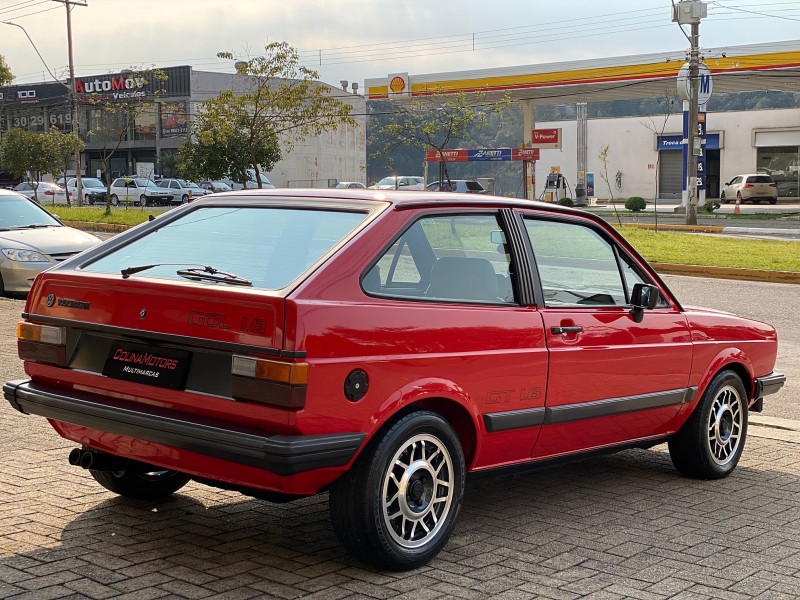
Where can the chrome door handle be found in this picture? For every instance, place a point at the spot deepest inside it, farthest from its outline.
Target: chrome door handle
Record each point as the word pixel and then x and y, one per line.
pixel 566 330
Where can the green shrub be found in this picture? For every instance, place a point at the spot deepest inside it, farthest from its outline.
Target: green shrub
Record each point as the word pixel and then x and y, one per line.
pixel 566 202
pixel 635 203
pixel 710 206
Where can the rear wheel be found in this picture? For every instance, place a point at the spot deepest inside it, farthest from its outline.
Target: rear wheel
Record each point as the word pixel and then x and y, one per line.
pixel 141 481
pixel 184 198
pixel 773 200
pixel 114 200
pixel 723 199
pixel 710 443
pixel 397 506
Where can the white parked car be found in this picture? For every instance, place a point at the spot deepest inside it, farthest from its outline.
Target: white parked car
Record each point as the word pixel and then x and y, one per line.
pixel 400 182
pixel 351 185
pixel 40 191
pixel 182 191
pixel 94 191
pixel 138 190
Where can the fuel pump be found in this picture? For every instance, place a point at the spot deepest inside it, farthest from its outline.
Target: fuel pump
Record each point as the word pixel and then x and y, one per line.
pixel 555 187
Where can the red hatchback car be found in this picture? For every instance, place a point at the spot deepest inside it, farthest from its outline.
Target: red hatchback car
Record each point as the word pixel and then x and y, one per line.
pixel 379 346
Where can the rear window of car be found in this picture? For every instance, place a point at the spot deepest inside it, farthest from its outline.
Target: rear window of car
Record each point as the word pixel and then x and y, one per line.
pixel 474 186
pixel 270 246
pixel 760 179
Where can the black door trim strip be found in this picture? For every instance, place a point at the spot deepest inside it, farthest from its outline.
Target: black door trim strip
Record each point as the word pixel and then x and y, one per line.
pixel 530 417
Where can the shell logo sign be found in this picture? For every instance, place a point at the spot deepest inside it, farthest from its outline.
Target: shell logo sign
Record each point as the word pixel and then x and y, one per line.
pixel 398 84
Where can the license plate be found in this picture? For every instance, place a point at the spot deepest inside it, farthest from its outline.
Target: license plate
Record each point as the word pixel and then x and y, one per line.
pixel 162 367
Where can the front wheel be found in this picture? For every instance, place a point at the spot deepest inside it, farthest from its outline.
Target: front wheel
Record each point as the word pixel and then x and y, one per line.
pixel 710 443
pixel 184 198
pixel 141 481
pixel 723 199
pixel 142 200
pixel 397 506
pixel 114 200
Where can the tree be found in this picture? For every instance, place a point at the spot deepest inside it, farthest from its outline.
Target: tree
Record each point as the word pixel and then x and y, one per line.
pixel 58 148
pixel 280 103
pixel 111 120
pixel 434 122
pixel 667 105
pixel 603 156
pixel 6 76
pixel 23 152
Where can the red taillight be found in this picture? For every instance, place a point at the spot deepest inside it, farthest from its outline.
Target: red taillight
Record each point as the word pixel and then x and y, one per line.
pixel 773 185
pixel 747 185
pixel 49 193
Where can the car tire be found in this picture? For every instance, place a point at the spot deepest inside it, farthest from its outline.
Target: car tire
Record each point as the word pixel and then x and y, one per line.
pixel 773 200
pixel 184 198
pixel 420 453
pixel 141 481
pixel 142 200
pixel 723 199
pixel 710 443
pixel 114 200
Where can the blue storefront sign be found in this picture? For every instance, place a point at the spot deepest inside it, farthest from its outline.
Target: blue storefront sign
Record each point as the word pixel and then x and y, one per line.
pixel 490 155
pixel 673 142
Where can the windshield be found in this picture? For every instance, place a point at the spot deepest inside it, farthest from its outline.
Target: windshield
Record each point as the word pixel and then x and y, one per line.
pixel 145 183
pixel 16 212
pixel 387 181
pixel 269 246
pixel 192 185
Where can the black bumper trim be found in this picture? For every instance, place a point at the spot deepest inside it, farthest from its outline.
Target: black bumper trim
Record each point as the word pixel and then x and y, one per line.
pixel 769 384
pixel 280 454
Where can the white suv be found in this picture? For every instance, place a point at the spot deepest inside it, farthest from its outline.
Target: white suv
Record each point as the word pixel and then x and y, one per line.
pixel 182 191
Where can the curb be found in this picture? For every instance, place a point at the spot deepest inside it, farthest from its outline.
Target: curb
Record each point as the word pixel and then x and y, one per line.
pixel 773 428
pixel 86 226
pixel 728 273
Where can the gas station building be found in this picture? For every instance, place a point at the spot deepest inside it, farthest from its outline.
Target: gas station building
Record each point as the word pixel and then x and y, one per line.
pixel 644 153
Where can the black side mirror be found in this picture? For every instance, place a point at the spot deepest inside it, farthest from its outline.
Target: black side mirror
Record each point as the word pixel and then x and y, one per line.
pixel 644 296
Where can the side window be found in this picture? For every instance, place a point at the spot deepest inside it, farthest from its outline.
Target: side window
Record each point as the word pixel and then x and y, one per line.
pixel 577 267
pixel 447 258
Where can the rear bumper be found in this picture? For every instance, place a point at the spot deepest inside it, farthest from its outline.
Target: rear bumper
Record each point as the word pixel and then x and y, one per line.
pixel 769 384
pixel 280 454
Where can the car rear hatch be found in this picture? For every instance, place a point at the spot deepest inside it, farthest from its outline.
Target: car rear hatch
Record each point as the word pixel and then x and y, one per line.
pixel 180 334
pixel 762 186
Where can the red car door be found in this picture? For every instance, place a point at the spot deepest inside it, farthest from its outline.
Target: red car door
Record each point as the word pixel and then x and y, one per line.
pixel 611 379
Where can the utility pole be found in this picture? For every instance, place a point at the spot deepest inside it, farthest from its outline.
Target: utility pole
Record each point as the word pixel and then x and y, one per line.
pixel 691 12
pixel 74 95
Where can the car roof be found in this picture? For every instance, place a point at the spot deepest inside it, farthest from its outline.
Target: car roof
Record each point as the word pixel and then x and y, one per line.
pixel 399 199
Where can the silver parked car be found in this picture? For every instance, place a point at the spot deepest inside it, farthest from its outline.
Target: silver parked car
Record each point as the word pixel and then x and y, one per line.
pixel 182 191
pixel 32 240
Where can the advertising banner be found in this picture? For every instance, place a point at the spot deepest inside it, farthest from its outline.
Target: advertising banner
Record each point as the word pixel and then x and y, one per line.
pixel 174 119
pixel 525 154
pixel 485 154
pixel 546 138
pixel 458 155
pixel 489 155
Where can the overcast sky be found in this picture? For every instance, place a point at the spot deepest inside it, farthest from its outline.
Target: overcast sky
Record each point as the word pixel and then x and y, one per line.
pixel 360 39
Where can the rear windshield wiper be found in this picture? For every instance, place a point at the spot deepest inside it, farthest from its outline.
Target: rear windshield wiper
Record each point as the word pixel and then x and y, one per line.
pixel 207 273
pixel 195 272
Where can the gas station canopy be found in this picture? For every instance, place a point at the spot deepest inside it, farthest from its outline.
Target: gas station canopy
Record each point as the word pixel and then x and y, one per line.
pixel 754 67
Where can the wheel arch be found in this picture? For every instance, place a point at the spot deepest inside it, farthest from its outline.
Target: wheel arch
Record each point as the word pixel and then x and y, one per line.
pixel 733 359
pixel 454 412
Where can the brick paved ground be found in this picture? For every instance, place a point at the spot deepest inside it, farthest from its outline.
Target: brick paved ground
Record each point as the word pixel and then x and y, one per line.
pixel 621 526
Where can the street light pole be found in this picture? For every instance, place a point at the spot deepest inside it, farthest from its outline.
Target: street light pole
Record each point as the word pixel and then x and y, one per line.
pixel 74 96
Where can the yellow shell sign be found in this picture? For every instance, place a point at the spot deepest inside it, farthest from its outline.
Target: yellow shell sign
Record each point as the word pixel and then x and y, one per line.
pixel 397 84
